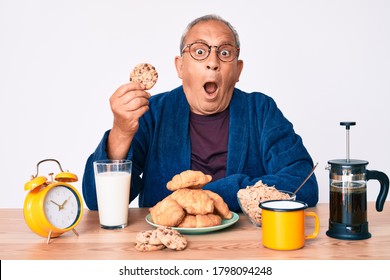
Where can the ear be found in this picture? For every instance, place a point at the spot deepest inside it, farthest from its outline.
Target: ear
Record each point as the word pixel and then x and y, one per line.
pixel 240 66
pixel 179 65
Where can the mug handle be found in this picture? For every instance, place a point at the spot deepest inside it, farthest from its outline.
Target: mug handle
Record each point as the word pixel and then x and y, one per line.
pixel 317 225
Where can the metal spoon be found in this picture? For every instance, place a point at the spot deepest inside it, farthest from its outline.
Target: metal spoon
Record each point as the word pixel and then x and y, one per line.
pixel 307 178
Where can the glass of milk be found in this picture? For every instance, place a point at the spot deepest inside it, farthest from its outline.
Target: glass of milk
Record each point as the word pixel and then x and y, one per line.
pixel 112 178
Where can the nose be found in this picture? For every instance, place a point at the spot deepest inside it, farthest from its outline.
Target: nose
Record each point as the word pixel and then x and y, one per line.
pixel 213 60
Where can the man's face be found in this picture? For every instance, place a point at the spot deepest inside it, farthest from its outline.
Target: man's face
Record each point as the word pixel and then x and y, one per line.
pixel 208 84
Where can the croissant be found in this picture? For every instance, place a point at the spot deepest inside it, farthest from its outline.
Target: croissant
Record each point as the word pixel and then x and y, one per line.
pixel 208 220
pixel 220 207
pixel 188 179
pixel 199 221
pixel 194 201
pixel 167 212
pixel 189 221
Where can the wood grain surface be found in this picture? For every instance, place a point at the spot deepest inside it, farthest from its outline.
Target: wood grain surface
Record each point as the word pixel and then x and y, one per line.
pixel 239 241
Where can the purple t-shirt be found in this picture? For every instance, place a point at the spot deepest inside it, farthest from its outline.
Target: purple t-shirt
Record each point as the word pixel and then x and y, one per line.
pixel 209 143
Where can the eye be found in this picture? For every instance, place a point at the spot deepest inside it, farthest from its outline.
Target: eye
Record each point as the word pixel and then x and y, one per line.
pixel 226 50
pixel 200 52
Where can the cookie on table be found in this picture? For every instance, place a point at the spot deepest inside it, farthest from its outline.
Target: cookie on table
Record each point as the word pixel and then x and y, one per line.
pixel 171 238
pixel 148 237
pixel 147 241
pixel 143 247
pixel 144 73
pixel 154 240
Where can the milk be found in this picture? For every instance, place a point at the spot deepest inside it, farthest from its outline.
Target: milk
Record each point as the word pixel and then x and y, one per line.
pixel 113 189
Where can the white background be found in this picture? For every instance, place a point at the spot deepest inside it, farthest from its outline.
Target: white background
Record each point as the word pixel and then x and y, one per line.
pixel 108 269
pixel 60 61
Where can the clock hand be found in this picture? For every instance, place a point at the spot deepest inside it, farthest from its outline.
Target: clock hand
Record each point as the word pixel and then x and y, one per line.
pixel 59 206
pixel 62 205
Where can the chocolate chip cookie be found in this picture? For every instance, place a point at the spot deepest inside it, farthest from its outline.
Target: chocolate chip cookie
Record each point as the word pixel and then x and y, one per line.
pixel 171 238
pixel 144 73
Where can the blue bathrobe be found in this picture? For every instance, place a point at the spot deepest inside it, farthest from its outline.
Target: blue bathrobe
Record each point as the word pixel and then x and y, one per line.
pixel 262 145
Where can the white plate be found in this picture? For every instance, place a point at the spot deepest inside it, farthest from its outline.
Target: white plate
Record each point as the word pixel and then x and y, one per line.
pixel 224 224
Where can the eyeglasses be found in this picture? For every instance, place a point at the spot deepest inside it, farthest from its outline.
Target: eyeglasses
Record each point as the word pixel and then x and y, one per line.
pixel 200 51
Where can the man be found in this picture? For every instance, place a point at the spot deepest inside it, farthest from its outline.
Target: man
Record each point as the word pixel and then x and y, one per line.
pixel 206 124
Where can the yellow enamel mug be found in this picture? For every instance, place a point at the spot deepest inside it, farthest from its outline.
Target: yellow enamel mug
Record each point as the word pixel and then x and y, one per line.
pixel 283 224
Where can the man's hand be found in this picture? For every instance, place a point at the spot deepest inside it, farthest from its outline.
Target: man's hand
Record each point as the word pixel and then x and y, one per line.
pixel 128 103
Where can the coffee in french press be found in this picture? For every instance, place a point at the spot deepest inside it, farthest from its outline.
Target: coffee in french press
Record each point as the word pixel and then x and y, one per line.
pixel 348 195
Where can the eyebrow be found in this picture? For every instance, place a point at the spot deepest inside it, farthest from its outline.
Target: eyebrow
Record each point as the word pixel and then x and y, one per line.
pixel 220 44
pixel 199 41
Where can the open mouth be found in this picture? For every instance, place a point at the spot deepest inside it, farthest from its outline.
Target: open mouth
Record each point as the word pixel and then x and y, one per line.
pixel 210 87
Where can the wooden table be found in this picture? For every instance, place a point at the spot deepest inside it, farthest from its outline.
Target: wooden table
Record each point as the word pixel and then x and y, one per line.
pixel 240 241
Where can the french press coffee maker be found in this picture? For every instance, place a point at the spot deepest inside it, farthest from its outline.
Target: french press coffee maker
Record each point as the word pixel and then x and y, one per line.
pixel 348 195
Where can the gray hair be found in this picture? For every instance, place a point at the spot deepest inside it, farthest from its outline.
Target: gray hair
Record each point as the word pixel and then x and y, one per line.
pixel 207 18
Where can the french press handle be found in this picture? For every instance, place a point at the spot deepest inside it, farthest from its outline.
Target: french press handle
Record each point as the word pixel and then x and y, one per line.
pixel 384 181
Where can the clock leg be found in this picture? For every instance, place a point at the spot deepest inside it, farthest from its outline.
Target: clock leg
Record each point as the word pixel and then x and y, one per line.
pixel 75 232
pixel 48 238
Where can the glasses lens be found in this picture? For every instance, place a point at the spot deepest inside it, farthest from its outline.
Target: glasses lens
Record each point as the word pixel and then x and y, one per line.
pixel 227 52
pixel 199 51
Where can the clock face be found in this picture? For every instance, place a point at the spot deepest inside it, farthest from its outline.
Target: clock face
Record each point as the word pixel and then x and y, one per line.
pixel 61 206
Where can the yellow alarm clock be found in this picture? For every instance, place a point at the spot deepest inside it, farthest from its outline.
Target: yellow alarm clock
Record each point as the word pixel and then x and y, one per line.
pixel 54 207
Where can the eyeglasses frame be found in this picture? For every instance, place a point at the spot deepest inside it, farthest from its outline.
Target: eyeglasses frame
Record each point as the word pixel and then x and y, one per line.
pixel 216 50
